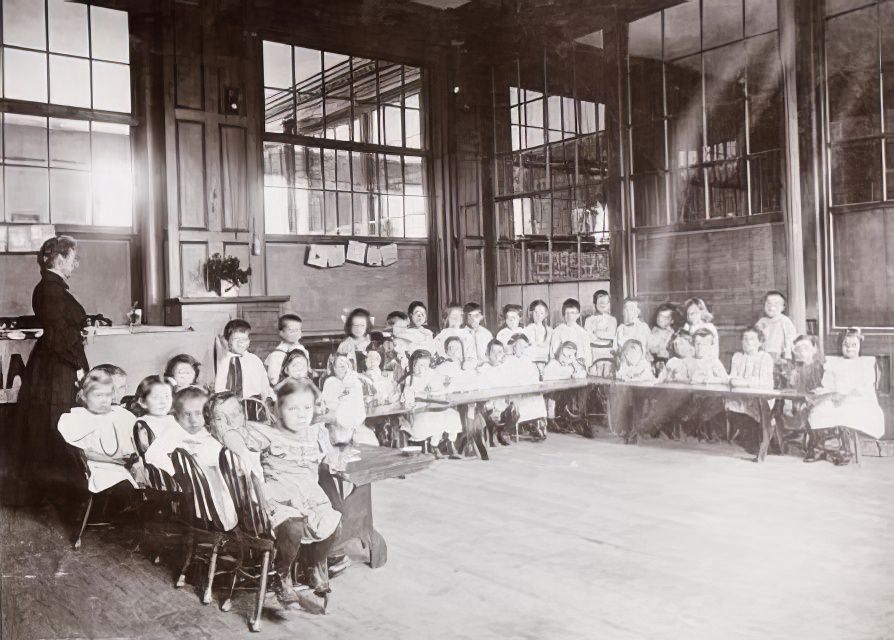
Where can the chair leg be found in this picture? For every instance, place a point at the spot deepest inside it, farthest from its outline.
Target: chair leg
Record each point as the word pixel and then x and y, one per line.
pixel 189 551
pixel 212 568
pixel 855 438
pixel 255 623
pixel 77 542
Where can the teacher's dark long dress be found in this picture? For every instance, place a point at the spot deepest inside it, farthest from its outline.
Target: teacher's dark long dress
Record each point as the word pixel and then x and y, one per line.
pixel 48 389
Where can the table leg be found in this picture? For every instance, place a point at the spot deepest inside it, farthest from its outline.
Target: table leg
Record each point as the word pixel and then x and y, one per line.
pixel 356 519
pixel 765 431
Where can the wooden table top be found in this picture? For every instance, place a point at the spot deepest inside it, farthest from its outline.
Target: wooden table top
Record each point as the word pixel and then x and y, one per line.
pixel 380 463
pixel 725 390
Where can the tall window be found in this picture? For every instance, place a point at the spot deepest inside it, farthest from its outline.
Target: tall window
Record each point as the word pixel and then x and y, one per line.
pixel 551 160
pixel 77 169
pixel 344 146
pixel 705 120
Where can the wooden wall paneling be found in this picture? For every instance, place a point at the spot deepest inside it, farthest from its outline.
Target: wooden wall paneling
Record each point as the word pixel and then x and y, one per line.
pixel 192 257
pixel 239 249
pixel 233 178
pixel 191 175
pixel 189 87
pixel 320 296
pixel 863 269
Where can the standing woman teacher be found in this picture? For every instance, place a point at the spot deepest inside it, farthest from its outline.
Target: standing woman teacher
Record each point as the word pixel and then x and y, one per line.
pixel 56 364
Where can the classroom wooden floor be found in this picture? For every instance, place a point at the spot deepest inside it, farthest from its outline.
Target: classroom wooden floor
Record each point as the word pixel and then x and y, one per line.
pixel 566 539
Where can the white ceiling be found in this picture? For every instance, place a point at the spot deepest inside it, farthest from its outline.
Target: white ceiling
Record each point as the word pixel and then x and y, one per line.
pixel 442 4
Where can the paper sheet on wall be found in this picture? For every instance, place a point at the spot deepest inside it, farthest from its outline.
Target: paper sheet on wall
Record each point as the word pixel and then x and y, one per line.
pixel 356 252
pixel 373 256
pixel 389 254
pixel 317 256
pixel 336 255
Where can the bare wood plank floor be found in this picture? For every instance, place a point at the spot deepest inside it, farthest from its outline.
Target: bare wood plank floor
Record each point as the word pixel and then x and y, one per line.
pixel 565 539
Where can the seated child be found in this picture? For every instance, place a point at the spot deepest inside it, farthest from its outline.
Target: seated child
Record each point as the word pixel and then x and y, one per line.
pixel 288 457
pixel 633 328
pixel 564 405
pixel 706 366
pixel 289 334
pixel 191 435
pixel 455 368
pixel 778 329
pixel 103 432
pixel 679 367
pixel 805 376
pixel 531 407
pixel 480 335
pixel 394 349
pixel 384 387
pixel 751 368
pixel 239 370
pixel 433 423
pixel 416 335
pixel 453 328
pixel 512 315
pixel 659 342
pixel 602 327
pixel 182 371
pixel 498 414
pixel 632 367
pixel 846 399
pixel 539 332
pixel 295 367
pixel 344 408
pixel 698 317
pixel 571 331
pixel 119 379
pixel 153 401
pixel 358 324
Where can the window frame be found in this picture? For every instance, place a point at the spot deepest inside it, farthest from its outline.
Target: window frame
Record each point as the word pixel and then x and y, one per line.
pixel 325 143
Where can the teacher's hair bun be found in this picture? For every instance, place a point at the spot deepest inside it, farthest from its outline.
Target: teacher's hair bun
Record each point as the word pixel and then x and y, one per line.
pixel 52 247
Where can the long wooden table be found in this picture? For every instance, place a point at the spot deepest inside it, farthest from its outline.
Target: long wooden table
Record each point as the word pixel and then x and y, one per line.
pixel 726 392
pixel 375 463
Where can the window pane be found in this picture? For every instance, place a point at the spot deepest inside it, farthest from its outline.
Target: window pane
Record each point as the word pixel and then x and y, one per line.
pixel 689 195
pixel 856 172
pixel 681 30
pixel 279 111
pixel 645 37
pixel 725 102
pixel 765 93
pixel 343 170
pixel 277 65
pixel 393 127
pixel 276 210
pixel 68 28
pixel 330 221
pixel 413 128
pixel 364 100
pixel 111 87
pixel 70 195
pixel 684 86
pixel 23 73
pixel 308 72
pixel 390 83
pixel 722 22
pixel 592 158
pixel 112 176
pixel 364 171
pixel 394 181
pixel 852 68
pixel 889 170
pixel 329 168
pixel 364 223
pixel 766 182
pixel 109 35
pixel 309 120
pixel 646 99
pixel 276 164
pixel 345 203
pixel 413 176
pixel 394 226
pixel 726 188
pixel 26 139
pixel 760 16
pixel 886 18
pixel 70 81
pixel 308 167
pixel 648 147
pixel 649 200
pixel 338 96
pixel 23 24
pixel 27 194
pixel 309 206
pixel 70 144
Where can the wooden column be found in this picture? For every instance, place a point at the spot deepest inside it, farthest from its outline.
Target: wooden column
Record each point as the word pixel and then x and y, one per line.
pixel 794 240
pixel 620 253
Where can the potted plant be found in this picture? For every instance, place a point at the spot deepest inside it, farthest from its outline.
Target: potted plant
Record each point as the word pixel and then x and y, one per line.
pixel 224 275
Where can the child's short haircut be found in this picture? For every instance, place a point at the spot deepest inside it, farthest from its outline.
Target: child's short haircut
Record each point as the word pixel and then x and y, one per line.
pixel 395 315
pixel 185 395
pixel 182 358
pixel 570 303
pixel 216 400
pixel 110 369
pixel 147 384
pixel 776 292
pixel 703 333
pixel 599 293
pixel 92 381
pixel 236 326
pixel 630 345
pixel 666 306
pixel 469 307
pixel 453 339
pixel 415 305
pixel 518 337
pixel 568 344
pixel 493 343
pixel 288 317
pixel 680 335
pixel 756 331
pixel 509 308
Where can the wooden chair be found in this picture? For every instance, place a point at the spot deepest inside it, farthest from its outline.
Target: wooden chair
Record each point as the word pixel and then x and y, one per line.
pixel 81 460
pixel 205 530
pixel 160 516
pixel 253 534
pixel 256 411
